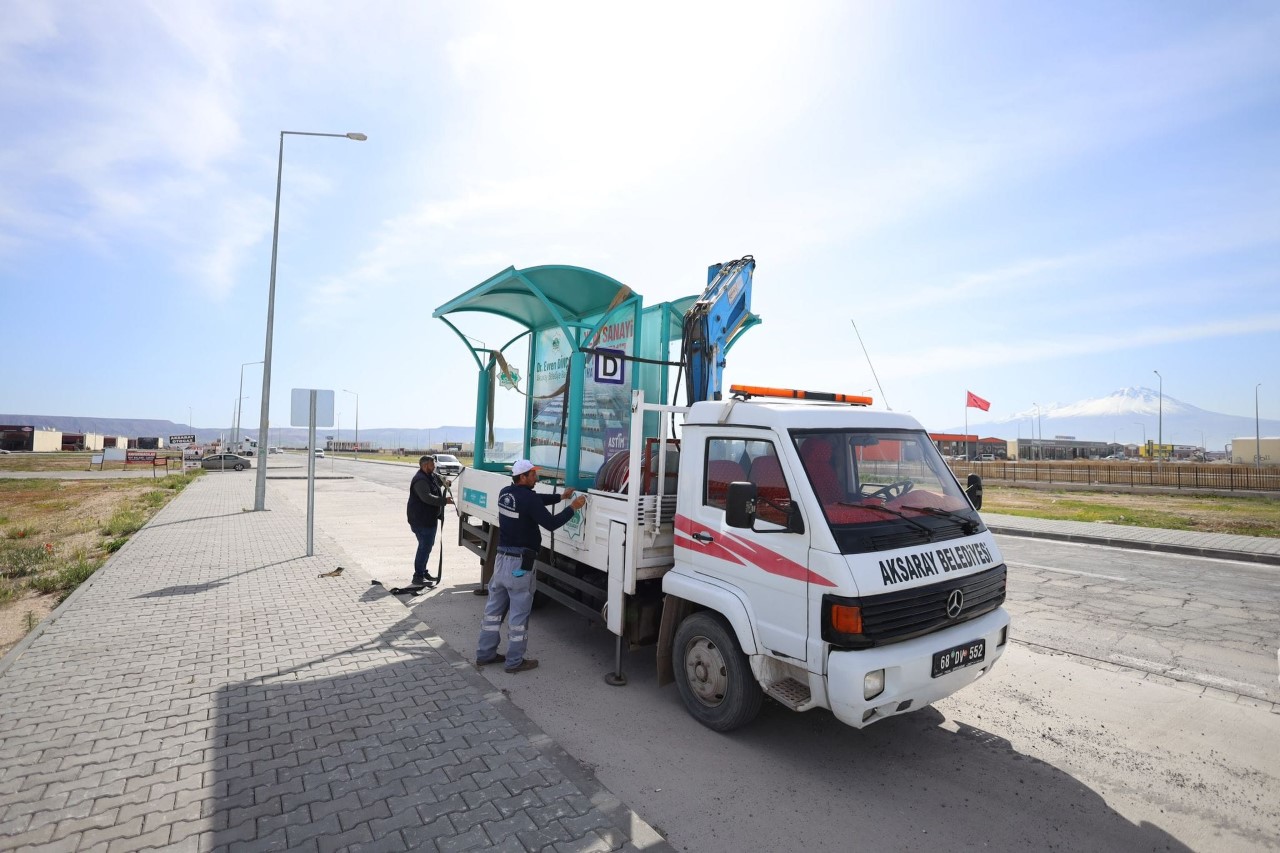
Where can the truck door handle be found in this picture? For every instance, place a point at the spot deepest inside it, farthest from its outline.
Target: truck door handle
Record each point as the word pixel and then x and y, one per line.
pixel 704 537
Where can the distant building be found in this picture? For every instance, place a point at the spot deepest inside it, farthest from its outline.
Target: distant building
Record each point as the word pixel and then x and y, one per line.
pixel 1035 449
pixel 1243 450
pixel 21 438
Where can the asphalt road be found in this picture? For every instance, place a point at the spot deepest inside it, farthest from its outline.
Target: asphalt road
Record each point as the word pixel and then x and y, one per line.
pixel 1211 622
pixel 1070 743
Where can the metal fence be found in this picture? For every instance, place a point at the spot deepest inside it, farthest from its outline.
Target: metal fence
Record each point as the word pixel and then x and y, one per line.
pixel 1167 475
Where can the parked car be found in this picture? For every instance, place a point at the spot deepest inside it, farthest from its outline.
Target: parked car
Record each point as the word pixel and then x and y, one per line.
pixel 319 452
pixel 987 457
pixel 447 465
pixel 223 461
pixel 3 451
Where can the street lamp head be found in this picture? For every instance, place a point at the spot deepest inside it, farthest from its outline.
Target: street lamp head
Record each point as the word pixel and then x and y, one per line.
pixel 358 137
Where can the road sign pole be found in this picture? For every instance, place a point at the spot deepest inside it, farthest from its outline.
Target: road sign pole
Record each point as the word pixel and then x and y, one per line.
pixel 311 477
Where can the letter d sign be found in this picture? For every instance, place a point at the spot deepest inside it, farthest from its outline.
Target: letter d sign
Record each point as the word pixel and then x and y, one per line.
pixel 610 368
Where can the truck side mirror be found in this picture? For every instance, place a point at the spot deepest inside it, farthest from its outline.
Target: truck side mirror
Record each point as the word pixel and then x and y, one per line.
pixel 740 505
pixel 974 491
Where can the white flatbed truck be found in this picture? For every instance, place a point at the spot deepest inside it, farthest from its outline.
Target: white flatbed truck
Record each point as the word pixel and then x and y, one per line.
pixel 869 587
pixel 779 543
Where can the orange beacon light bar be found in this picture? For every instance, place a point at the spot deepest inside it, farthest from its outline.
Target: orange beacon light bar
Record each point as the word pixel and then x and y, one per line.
pixel 748 391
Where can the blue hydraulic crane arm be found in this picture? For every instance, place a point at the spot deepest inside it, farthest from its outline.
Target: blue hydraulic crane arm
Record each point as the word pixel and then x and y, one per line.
pixel 713 324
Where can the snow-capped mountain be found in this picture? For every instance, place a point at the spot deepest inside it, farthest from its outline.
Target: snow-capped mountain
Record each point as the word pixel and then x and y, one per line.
pixel 1126 416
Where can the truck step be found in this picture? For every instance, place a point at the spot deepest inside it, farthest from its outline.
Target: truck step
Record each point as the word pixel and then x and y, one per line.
pixel 791 693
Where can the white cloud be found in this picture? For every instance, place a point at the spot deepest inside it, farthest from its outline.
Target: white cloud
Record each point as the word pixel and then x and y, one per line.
pixel 954 358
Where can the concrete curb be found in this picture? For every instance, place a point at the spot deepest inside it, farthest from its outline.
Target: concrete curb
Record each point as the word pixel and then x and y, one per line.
pixel 1139 545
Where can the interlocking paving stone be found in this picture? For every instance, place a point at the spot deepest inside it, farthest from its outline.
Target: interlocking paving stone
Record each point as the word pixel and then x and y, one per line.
pixel 206 690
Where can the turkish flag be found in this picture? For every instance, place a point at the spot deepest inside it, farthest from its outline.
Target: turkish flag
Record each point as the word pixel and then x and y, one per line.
pixel 973 401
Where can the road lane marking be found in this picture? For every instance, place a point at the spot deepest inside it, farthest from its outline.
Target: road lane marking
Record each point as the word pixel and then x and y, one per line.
pixel 1239 688
pixel 1149 552
pixel 1192 675
pixel 1064 571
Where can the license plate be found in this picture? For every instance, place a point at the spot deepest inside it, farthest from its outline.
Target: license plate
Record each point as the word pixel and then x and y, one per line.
pixel 958 657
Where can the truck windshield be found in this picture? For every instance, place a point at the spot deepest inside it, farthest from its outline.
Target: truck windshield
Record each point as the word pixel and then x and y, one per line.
pixel 883 489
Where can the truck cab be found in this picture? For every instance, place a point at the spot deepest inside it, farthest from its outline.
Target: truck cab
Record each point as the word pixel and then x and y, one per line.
pixel 838 556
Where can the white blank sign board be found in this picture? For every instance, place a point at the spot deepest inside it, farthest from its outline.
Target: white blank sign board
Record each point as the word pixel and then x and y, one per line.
pixel 300 411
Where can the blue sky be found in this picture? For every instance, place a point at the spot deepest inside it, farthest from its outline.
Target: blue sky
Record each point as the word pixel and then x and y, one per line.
pixel 1033 201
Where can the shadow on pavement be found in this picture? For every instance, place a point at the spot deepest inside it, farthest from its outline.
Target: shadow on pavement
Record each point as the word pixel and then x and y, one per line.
pixel 347 749
pixel 154 525
pixel 195 588
pixel 947 786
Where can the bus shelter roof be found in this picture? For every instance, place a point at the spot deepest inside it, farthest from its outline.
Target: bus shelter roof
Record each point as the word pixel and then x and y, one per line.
pixel 539 297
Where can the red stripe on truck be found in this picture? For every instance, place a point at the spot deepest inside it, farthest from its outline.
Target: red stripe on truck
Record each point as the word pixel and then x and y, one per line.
pixel 735 549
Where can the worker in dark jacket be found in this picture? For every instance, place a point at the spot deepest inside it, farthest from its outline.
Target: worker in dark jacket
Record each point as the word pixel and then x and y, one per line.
pixel 521 514
pixel 427 501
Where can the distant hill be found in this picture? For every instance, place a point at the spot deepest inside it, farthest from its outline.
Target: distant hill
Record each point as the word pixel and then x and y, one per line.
pixel 1122 417
pixel 289 436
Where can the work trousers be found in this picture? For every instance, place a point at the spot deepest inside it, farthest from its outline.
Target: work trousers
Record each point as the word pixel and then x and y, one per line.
pixel 426 539
pixel 512 596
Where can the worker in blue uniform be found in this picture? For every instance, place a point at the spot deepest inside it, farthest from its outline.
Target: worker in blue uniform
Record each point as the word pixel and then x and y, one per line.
pixel 521 514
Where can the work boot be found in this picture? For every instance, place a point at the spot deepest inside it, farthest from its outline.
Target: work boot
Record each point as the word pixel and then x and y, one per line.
pixel 527 663
pixel 495 659
pixel 417 581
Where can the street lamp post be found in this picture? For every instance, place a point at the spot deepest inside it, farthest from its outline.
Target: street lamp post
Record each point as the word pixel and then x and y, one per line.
pixel 357 396
pixel 241 397
pixel 1257 430
pixel 1160 422
pixel 1038 441
pixel 260 487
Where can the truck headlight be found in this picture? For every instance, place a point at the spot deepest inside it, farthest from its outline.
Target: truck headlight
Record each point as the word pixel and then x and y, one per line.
pixel 873 684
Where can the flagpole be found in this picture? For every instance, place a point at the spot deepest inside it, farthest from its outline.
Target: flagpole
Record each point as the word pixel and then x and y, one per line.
pixel 966 427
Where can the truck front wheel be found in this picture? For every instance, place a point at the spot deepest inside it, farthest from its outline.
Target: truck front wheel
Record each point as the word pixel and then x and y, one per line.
pixel 713 675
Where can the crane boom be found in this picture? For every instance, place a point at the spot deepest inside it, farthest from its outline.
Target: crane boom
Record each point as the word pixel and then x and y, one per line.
pixel 712 324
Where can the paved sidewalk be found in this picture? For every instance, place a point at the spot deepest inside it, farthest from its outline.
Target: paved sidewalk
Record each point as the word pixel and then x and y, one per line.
pixel 1257 549
pixel 207 690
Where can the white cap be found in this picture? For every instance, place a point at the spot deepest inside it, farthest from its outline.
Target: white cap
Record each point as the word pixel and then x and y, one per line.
pixel 522 466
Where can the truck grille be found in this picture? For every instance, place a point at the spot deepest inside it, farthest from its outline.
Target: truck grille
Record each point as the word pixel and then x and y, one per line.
pixel 896 616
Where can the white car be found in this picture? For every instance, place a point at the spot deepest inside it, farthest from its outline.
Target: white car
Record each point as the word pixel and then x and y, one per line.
pixel 319 452
pixel 447 465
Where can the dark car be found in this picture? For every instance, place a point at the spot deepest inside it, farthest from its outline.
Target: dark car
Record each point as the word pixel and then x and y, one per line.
pixel 224 461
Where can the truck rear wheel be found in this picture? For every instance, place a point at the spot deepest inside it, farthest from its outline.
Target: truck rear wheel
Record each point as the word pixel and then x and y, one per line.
pixel 713 675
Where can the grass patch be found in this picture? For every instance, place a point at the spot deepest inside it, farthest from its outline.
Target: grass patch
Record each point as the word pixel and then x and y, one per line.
pixel 124 521
pixel 1245 516
pixel 19 560
pixel 178 482
pixel 89 519
pixel 66 578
